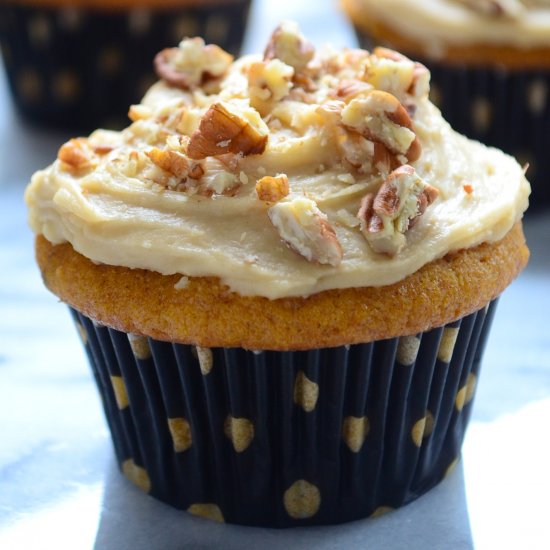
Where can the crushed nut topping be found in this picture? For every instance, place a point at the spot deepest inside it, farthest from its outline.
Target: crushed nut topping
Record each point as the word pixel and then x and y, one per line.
pixel 380 117
pixel 289 45
pixel 272 188
pixel 226 129
pixel 170 161
pixel 305 229
pixel 396 207
pixel 192 63
pixel 76 154
pixel 269 81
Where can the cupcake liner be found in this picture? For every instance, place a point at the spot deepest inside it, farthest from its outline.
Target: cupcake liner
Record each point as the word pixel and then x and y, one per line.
pixel 281 439
pixel 507 109
pixel 79 69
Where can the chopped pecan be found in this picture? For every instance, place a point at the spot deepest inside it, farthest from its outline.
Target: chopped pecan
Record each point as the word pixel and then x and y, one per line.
pixel 289 45
pixel 170 161
pixel 397 206
pixel 139 112
pixel 306 230
pixel 192 63
pixel 272 188
pixel 269 80
pixel 392 72
pixel 380 117
pixel 76 154
pixel 224 129
pixel 350 89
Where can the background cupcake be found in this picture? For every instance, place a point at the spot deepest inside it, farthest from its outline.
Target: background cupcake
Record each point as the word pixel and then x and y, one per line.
pixel 246 374
pixel 490 65
pixel 78 65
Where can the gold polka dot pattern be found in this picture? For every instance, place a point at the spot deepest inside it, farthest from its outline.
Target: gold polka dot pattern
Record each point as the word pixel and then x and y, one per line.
pixel 302 500
pixel 380 511
pixel 140 346
pixel 422 428
pixel 407 350
pixel 137 475
pixel 180 430
pixel 306 392
pixel 206 359
pixel 354 432
pixel 240 431
pixel 447 344
pixel 466 393
pixel 119 389
pixel 207 511
pixel 450 469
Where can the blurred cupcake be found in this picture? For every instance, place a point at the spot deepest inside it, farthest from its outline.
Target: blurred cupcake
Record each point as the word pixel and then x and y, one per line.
pixel 283 272
pixel 78 65
pixel 490 65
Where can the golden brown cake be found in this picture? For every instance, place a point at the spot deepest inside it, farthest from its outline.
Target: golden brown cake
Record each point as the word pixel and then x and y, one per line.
pixel 286 263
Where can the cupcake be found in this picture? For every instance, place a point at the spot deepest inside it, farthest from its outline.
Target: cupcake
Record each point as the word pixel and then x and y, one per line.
pixel 77 65
pixel 283 272
pixel 490 66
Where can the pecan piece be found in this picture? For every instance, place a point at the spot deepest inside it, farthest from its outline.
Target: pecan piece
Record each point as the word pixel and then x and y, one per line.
pixel 397 206
pixel 75 154
pixel 270 80
pixel 289 45
pixel 380 117
pixel 224 129
pixel 306 230
pixel 272 188
pixel 170 161
pixel 192 63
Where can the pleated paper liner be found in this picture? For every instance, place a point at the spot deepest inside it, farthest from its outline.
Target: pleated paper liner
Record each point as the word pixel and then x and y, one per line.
pixel 509 110
pixel 283 439
pixel 79 69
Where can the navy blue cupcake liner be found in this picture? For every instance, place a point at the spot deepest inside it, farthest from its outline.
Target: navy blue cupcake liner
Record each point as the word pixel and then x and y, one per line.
pixel 507 109
pixel 77 68
pixel 280 439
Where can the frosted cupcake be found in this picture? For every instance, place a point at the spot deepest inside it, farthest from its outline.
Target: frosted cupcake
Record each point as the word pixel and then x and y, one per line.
pixel 284 273
pixel 77 65
pixel 490 65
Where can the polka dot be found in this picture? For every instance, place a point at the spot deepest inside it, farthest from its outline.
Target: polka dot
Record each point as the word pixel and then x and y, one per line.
pixel 466 393
pixel 140 346
pixel 139 21
pixel 66 86
pixel 380 511
pixel 206 359
pixel 39 31
pixel 217 29
pixel 207 511
pixel 422 428
pixel 184 27
pixel 70 19
pixel 450 469
pixel 110 60
pixel 447 344
pixel 29 85
pixel 407 350
pixel 482 114
pixel 302 500
pixel 306 392
pixel 119 389
pixel 82 332
pixel 180 430
pixel 240 431
pixel 137 475
pixel 537 95
pixel 354 431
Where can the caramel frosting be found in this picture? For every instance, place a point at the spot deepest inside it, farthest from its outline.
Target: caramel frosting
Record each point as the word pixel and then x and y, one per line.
pixel 282 175
pixel 437 24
